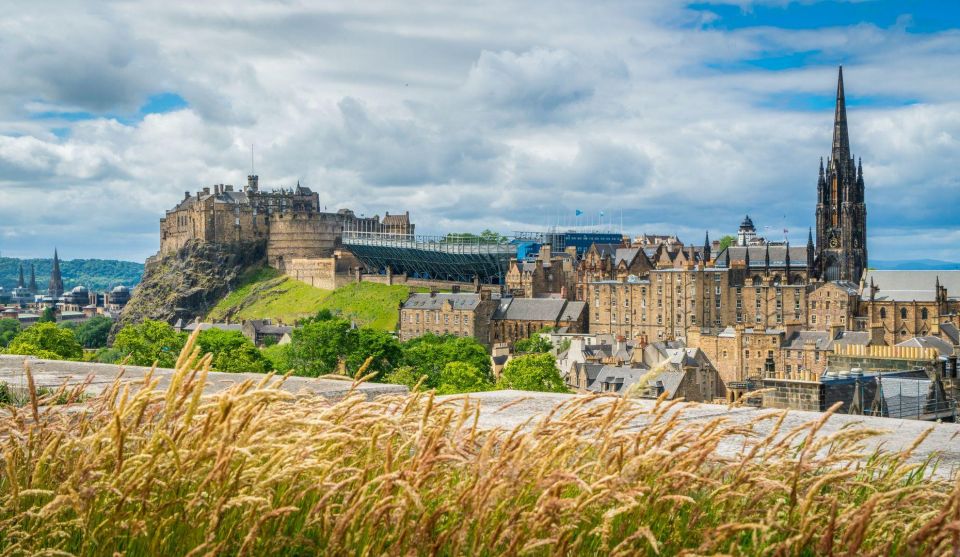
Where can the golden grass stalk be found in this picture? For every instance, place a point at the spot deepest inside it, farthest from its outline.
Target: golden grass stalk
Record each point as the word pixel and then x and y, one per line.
pixel 257 471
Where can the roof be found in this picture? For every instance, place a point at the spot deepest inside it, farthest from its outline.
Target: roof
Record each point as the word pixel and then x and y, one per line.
pixel 823 340
pixel 905 398
pixel 573 311
pixel 530 309
pixel 758 256
pixel 208 326
pixel 910 286
pixel 389 219
pixel 943 347
pixel 432 301
pixel 951 331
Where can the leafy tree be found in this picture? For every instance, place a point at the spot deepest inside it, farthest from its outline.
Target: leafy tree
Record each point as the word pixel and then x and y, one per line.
pixel 383 347
pixel 726 242
pixel 403 375
pixel 93 332
pixel 461 377
pixel 279 357
pixel 9 328
pixel 108 356
pixel 317 347
pixel 533 372
pixel 150 342
pixel 429 354
pixel 48 316
pixel 232 351
pixel 46 340
pixel 536 344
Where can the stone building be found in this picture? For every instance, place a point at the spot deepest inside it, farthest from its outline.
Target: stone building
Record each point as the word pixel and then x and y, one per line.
pixel 904 304
pixel 458 314
pixel 547 275
pixel 832 304
pixel 289 220
pixel 604 262
pixel 518 318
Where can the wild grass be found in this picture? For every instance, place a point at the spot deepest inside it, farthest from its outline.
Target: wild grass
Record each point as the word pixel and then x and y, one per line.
pixel 258 471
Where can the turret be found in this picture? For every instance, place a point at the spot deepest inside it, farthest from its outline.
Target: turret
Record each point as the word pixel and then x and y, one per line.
pixel 253 183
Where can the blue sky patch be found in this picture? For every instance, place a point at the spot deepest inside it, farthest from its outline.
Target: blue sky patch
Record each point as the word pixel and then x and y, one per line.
pixel 163 102
pixel 826 103
pixel 919 16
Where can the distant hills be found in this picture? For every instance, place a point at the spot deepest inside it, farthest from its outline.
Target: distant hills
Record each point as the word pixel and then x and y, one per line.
pixel 95 274
pixel 915 265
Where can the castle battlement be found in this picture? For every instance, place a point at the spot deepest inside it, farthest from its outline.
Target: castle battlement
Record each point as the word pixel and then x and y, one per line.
pixel 289 220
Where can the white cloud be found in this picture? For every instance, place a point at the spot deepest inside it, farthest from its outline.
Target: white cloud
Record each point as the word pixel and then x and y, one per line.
pixel 503 115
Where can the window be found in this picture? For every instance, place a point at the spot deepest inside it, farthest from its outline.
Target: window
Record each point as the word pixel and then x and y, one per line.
pixel 923 313
pixel 883 313
pixel 903 313
pixel 813 319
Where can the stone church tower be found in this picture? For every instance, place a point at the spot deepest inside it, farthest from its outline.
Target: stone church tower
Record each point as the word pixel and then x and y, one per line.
pixel 841 210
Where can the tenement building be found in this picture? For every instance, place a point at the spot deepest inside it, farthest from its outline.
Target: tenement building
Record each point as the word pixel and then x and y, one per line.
pixel 458 314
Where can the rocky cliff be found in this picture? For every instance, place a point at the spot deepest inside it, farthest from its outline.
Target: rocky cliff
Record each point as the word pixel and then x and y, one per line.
pixel 186 284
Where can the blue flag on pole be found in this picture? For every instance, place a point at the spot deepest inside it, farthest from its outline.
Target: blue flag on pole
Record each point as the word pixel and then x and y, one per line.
pixel 579 212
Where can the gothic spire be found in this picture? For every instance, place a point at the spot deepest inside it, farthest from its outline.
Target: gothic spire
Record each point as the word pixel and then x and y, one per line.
pixel 786 261
pixel 766 259
pixel 20 283
pixel 706 248
pixel 33 278
pixel 841 139
pixel 810 238
pixel 746 257
pixel 55 288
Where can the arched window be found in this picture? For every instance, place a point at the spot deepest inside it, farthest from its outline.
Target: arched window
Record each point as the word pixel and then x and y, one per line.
pixel 923 313
pixel 903 313
pixel 883 313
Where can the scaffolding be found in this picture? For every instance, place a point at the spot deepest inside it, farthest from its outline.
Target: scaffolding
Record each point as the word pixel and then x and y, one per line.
pixel 460 258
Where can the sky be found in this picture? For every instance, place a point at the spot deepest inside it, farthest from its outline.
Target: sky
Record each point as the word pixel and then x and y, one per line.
pixel 668 117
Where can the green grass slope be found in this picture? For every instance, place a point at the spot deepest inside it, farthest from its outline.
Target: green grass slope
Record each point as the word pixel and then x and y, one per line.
pixel 264 293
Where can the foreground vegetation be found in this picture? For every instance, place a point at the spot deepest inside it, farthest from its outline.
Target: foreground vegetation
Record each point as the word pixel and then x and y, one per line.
pixel 265 293
pixel 257 471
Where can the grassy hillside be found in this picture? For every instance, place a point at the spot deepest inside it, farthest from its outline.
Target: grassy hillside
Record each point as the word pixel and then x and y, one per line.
pixel 265 293
pixel 96 274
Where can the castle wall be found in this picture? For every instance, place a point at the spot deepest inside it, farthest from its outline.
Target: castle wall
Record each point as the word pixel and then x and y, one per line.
pixel 301 236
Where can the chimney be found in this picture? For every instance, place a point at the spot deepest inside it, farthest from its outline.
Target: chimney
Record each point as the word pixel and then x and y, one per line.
pixel 253 182
pixel 455 288
pixel 433 291
pixel 229 188
pixel 186 195
pixel 206 191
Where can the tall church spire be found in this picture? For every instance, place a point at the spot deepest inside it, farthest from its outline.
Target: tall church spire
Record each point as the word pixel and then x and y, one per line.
pixel 20 282
pixel 55 288
pixel 841 138
pixel 33 279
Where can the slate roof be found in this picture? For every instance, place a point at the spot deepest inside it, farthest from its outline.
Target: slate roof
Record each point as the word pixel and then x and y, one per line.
pixel 943 347
pixel 530 309
pixel 207 326
pixel 573 311
pixel 905 398
pixel 621 377
pixel 951 331
pixel 436 301
pixel 758 254
pixel 910 286
pixel 824 341
pixel 671 380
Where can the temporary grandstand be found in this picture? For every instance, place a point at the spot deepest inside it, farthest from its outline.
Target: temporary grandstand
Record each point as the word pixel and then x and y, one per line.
pixel 453 257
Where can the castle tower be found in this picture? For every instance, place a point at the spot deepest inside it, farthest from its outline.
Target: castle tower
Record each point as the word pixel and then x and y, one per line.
pixel 841 250
pixel 55 288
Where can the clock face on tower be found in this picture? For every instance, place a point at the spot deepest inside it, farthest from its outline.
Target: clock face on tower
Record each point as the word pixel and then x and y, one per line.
pixel 834 242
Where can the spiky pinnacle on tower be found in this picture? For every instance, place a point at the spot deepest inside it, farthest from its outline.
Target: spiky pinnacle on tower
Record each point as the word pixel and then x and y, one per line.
pixel 55 288
pixel 841 252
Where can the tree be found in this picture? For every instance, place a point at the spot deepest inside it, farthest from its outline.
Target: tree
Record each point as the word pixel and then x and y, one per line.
pixel 232 352
pixel 461 377
pixel 46 340
pixel 317 347
pixel 536 344
pixel 150 342
pixel 9 329
pixel 93 332
pixel 48 316
pixel 403 375
pixel 279 357
pixel 533 372
pixel 429 354
pixel 383 347
pixel 726 242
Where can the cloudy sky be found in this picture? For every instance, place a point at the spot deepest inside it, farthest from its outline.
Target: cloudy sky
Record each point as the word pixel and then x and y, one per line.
pixel 675 117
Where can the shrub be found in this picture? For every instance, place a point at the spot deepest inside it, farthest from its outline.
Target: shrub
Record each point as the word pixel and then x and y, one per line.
pixel 533 372
pixel 149 343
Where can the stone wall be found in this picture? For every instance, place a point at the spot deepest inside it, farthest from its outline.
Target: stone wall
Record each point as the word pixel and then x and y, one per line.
pixel 794 395
pixel 301 236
